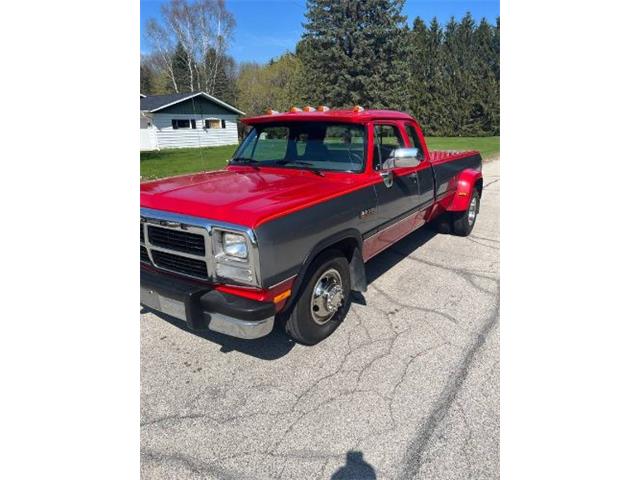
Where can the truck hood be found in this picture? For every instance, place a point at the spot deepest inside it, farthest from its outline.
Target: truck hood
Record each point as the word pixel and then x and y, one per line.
pixel 244 195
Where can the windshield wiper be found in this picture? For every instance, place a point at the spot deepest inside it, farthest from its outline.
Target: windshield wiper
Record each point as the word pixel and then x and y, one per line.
pixel 309 166
pixel 245 161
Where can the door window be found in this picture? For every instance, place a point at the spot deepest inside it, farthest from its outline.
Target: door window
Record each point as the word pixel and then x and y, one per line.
pixel 414 139
pixel 386 138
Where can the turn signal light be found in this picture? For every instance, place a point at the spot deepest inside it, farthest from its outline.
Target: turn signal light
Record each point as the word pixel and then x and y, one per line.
pixel 308 108
pixel 295 110
pixel 358 109
pixel 323 108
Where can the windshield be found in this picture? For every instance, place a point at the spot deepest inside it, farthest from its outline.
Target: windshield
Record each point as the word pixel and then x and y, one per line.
pixel 327 146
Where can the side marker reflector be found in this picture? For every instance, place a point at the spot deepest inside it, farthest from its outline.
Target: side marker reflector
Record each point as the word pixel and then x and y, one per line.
pixel 280 297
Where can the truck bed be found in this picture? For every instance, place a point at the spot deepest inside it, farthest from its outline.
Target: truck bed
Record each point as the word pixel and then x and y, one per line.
pixel 440 156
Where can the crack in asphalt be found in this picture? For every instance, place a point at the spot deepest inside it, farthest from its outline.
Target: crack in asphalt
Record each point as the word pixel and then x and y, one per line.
pixel 482 244
pixel 390 299
pixel 467 440
pixel 490 183
pixel 478 237
pixel 466 274
pixel 411 461
pixel 193 464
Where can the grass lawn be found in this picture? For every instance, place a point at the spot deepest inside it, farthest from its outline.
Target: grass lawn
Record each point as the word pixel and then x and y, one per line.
pixel 489 147
pixel 167 163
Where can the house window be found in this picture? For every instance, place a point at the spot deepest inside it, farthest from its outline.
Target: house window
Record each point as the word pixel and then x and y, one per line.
pixel 215 123
pixel 176 124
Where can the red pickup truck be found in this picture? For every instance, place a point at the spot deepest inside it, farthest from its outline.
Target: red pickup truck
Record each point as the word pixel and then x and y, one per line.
pixel 283 232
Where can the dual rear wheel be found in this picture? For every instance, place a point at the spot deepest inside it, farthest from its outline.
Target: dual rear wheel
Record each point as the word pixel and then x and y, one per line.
pixel 462 222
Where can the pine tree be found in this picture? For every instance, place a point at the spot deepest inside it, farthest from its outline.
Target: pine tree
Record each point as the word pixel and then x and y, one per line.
pixel 427 89
pixel 146 77
pixel 495 52
pixel 464 80
pixel 488 90
pixel 180 67
pixel 220 78
pixel 421 74
pixel 355 52
pixel 451 93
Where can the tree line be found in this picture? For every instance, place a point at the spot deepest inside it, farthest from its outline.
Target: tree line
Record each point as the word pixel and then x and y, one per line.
pixel 351 52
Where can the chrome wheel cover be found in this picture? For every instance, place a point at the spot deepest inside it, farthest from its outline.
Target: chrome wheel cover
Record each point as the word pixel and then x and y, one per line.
pixel 327 296
pixel 473 209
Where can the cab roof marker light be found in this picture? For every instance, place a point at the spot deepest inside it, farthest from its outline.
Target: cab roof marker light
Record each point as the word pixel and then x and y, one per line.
pixel 295 110
pixel 323 108
pixel 358 109
pixel 272 112
pixel 308 108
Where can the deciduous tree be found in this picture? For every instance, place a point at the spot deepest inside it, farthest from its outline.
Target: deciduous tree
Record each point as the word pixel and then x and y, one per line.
pixel 189 32
pixel 277 85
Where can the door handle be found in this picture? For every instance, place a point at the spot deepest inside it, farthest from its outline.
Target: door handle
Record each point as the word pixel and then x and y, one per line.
pixel 414 176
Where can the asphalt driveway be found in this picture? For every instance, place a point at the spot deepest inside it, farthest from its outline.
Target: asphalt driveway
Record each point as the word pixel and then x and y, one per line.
pixel 407 387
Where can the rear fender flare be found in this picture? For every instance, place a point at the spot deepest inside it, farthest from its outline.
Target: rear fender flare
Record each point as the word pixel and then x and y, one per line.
pixel 468 180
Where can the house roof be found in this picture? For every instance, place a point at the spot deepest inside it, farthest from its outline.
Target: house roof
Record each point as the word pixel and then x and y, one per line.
pixel 155 103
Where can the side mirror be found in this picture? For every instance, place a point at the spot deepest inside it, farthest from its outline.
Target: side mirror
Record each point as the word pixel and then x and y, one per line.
pixel 400 158
pixel 405 158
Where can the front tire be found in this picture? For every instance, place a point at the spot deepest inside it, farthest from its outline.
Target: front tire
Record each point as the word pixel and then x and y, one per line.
pixel 324 301
pixel 462 222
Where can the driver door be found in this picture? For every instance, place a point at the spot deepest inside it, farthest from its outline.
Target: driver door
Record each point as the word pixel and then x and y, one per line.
pixel 397 201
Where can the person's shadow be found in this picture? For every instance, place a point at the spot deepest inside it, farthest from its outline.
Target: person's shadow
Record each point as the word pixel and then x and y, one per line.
pixel 355 468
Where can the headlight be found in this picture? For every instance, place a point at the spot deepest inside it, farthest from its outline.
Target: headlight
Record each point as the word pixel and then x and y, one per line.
pixel 234 245
pixel 236 257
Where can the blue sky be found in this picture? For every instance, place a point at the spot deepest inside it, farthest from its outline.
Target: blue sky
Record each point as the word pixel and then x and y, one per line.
pixel 266 29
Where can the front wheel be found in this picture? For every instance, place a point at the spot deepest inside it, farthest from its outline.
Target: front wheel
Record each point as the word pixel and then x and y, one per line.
pixel 324 301
pixel 462 222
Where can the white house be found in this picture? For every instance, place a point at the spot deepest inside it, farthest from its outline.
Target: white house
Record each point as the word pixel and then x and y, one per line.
pixel 186 120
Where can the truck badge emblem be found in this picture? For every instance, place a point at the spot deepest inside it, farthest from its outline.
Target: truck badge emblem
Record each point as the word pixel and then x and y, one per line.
pixel 367 212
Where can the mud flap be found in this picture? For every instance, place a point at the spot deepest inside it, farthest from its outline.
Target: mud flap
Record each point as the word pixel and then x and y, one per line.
pixel 357 272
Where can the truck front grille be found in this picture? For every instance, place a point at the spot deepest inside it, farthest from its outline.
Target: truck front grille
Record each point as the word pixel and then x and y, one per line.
pixel 176 240
pixel 177 247
pixel 144 255
pixel 180 264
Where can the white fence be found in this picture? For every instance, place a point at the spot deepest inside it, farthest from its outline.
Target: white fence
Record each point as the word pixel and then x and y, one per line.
pixel 148 139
